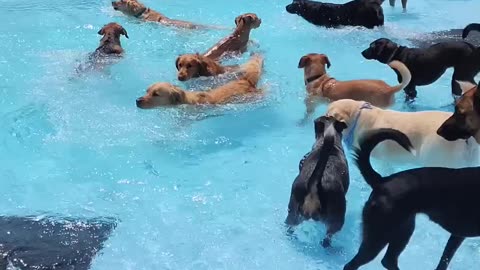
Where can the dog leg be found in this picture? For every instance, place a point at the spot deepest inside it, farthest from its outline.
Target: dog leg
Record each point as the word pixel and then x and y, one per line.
pixel 311 103
pixel 369 249
pixel 397 244
pixel 410 93
pixel 453 244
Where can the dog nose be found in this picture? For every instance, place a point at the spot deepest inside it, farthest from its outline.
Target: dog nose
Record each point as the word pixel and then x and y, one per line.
pixel 139 101
pixel 182 78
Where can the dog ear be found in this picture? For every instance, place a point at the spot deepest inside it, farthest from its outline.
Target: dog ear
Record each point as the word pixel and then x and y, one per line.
pixel 326 60
pixel 304 61
pixel 205 66
pixel 177 61
pixel 319 127
pixel 177 96
pixel 340 126
pixel 238 19
pixel 124 32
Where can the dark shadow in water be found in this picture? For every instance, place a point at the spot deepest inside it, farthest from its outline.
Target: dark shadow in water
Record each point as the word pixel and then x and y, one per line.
pixel 429 39
pixel 30 243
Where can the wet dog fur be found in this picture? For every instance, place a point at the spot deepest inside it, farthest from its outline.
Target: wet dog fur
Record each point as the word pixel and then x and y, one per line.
pixel 195 65
pixel 319 190
pixel 447 196
pixel 236 43
pixel 165 94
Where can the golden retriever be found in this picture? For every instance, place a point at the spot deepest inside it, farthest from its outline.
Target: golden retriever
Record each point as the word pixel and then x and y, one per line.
pixel 237 42
pixel 138 10
pixel 195 65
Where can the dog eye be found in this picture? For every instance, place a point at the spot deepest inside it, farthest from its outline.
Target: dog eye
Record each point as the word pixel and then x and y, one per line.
pixel 189 66
pixel 155 94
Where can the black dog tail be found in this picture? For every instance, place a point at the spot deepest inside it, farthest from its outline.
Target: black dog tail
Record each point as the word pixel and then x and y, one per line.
pixel 322 155
pixel 368 143
pixel 470 27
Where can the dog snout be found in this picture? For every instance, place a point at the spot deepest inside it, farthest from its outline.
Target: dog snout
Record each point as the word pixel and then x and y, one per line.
pixel 367 54
pixel 139 102
pixel 182 77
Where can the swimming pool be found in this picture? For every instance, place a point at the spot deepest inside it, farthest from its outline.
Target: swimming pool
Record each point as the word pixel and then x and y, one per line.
pixel 191 190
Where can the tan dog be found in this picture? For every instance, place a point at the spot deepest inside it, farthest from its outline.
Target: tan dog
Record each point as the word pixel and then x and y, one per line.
pixel 136 9
pixel 194 65
pixel 420 127
pixel 237 42
pixel 320 85
pixel 165 94
pixel 465 121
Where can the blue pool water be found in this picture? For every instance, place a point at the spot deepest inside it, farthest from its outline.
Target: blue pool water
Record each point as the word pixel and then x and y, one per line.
pixel 191 189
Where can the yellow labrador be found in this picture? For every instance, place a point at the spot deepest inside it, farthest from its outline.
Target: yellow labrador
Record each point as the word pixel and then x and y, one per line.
pixel 420 127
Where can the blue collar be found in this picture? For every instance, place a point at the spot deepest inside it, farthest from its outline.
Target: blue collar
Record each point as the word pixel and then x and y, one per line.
pixel 350 135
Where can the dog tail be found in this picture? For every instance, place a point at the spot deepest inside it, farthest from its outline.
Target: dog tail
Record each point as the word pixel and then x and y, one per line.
pixel 322 156
pixel 404 72
pixel 252 70
pixel 368 143
pixel 470 27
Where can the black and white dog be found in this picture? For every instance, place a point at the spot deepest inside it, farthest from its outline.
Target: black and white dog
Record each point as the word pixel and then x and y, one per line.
pixel 367 13
pixel 319 190
pixel 449 197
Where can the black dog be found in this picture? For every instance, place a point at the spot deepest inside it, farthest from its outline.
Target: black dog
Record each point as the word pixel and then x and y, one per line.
pixel 368 13
pixel 469 28
pixel 449 197
pixel 428 65
pixel 319 190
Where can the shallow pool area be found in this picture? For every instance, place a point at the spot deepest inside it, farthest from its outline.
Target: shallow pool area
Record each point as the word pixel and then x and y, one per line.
pixel 203 188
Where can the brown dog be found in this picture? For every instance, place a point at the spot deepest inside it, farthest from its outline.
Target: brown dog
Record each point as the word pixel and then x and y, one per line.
pixel 165 94
pixel 136 9
pixel 195 65
pixel 237 42
pixel 109 50
pixel 465 121
pixel 320 85
pixel 110 43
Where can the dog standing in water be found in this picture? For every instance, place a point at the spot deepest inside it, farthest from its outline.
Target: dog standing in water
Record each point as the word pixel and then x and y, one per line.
pixel 319 190
pixel 237 42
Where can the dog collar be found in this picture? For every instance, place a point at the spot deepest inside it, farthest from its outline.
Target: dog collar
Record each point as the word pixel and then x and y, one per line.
pixel 313 78
pixel 393 54
pixel 140 13
pixel 350 135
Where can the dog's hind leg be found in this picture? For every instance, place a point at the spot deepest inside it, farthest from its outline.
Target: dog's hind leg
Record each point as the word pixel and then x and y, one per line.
pixel 453 244
pixel 397 244
pixel 410 93
pixel 369 249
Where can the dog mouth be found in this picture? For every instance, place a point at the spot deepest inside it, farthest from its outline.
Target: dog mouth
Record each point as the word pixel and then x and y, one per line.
pixel 292 8
pixel 367 54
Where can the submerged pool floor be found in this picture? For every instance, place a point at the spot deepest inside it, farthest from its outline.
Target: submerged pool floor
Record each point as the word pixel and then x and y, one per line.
pixel 189 189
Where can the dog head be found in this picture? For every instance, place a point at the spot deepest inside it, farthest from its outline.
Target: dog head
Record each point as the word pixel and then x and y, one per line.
pixel 314 64
pixel 161 94
pixel 382 49
pixel 305 203
pixel 113 30
pixel 344 110
pixel 296 7
pixel 129 7
pixel 465 121
pixel 191 66
pixel 248 20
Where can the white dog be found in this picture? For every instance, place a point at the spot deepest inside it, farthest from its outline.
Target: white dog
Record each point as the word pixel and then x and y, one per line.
pixel 431 150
